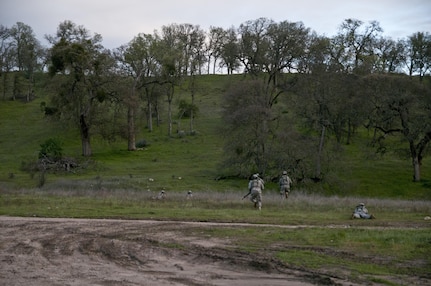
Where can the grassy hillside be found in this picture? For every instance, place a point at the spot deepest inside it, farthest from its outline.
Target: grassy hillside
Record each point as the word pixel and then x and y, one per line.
pixel 183 163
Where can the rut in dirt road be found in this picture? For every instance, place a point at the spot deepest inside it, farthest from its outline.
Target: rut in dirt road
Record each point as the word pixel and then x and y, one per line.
pixel 37 251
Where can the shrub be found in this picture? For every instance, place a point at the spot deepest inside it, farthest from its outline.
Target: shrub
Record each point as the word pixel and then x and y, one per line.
pixel 186 109
pixel 51 149
pixel 49 111
pixel 141 144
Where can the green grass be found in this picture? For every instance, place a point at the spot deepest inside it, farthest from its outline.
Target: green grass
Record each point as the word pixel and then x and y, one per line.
pixel 301 208
pixel 315 232
pixel 352 251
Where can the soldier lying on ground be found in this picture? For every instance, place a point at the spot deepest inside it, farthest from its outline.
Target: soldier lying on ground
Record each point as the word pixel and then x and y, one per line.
pixel 361 212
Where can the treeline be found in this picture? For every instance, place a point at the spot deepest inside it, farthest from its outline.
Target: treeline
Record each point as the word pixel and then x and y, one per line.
pixel 294 80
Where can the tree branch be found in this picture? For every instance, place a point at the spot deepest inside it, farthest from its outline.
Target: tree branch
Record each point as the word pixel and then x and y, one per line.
pixel 389 131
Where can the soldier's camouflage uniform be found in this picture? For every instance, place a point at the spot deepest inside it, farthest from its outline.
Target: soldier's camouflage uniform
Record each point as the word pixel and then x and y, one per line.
pixel 255 187
pixel 285 183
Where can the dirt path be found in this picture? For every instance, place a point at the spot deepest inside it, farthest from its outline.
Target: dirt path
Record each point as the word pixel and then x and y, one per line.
pixel 39 251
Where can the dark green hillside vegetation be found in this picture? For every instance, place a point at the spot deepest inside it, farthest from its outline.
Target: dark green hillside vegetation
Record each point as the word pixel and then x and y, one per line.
pixel 346 115
pixel 189 160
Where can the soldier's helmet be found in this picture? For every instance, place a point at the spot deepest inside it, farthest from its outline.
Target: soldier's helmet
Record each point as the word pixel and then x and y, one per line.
pixel 284 172
pixel 255 176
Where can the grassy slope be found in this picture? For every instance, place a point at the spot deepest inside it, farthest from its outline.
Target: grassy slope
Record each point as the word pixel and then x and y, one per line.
pixel 184 163
pixel 116 186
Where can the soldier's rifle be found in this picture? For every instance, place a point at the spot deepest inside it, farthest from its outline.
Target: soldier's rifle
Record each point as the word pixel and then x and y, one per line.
pixel 249 192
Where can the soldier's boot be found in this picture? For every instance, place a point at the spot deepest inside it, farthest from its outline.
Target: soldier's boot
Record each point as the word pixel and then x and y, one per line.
pixel 255 204
pixel 260 205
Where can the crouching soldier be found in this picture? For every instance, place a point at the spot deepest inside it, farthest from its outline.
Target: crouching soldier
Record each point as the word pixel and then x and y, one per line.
pixel 361 212
pixel 255 188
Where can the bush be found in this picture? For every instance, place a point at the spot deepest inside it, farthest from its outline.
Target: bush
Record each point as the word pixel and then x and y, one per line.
pixel 141 144
pixel 51 149
pixel 186 109
pixel 49 111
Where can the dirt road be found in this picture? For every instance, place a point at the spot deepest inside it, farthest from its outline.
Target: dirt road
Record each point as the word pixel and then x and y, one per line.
pixel 40 251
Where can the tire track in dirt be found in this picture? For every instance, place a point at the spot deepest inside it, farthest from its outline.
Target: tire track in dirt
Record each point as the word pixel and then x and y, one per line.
pixel 64 251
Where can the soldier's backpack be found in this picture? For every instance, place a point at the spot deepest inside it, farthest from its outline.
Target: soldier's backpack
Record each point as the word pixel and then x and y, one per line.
pixel 255 184
pixel 284 180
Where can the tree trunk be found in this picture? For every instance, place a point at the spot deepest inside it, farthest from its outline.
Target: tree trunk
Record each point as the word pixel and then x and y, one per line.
pixel 148 93
pixel 170 94
pixel 4 75
pixel 131 140
pixel 169 117
pixel 191 120
pixel 416 162
pixel 157 114
pixel 15 86
pixel 214 65
pixel 150 116
pixel 85 136
pixel 349 132
pixel 86 147
pixel 193 103
pixel 319 154
pixel 416 169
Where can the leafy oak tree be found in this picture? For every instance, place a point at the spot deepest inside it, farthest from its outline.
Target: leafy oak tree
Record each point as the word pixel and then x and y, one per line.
pixel 418 57
pixel 137 62
pixel 401 106
pixel 259 137
pixel 26 53
pixel 82 64
pixel 229 52
pixel 246 117
pixel 7 57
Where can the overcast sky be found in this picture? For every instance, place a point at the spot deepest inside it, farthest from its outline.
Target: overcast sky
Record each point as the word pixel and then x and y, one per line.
pixel 118 21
